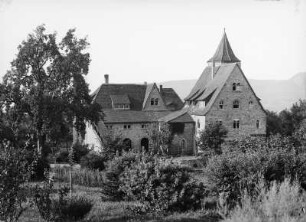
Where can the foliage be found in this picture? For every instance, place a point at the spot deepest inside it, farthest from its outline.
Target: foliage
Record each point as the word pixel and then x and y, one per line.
pixel 161 187
pixel 246 162
pixel 61 208
pixel 14 172
pixel 279 202
pixel 46 89
pixel 115 167
pixel 112 145
pixel 160 137
pixel 212 137
pixel 274 124
pixel 83 177
pixel 62 156
pixel 93 161
pixel 79 151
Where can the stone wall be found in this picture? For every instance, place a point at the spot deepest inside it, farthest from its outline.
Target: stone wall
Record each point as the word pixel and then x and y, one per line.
pixel 248 113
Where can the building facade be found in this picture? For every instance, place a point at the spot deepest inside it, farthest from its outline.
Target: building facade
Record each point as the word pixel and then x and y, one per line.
pixel 131 110
pixel 223 94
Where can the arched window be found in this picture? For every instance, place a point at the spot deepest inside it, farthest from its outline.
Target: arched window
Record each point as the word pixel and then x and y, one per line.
pixel 127 144
pixel 236 104
pixel 234 86
pixel 221 103
pixel 257 124
pixel 144 143
pixel 183 144
pixel 156 101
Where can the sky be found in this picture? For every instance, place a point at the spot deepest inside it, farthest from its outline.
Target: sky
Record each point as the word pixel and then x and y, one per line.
pixel 136 41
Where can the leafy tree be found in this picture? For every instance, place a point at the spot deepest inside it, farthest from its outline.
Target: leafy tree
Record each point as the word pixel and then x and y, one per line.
pixel 46 87
pixel 212 137
pixel 160 138
pixel 274 125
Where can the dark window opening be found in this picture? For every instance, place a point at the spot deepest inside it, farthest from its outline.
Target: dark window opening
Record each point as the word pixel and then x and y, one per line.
pixel 144 143
pixel 152 102
pixel 221 103
pixel 127 144
pixel 156 102
pixel 257 124
pixel 236 104
pixel 198 123
pixel 127 126
pixel 177 128
pixel 143 126
pixel 234 87
pixel 236 124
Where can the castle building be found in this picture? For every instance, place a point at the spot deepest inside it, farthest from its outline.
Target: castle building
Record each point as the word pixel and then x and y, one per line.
pixel 223 94
pixel 131 109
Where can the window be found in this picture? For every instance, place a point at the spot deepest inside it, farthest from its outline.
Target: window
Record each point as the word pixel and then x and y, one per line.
pixel 221 104
pixel 257 124
pixel 198 123
pixel 234 87
pixel 109 127
pixel 156 101
pixel 127 126
pixel 219 122
pixel 236 124
pixel 236 104
pixel 122 106
pixel 251 104
pixel 143 126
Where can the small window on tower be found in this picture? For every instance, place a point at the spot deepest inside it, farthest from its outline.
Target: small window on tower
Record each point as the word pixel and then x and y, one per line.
pixel 236 124
pixel 257 124
pixel 236 104
pixel 234 87
pixel 221 103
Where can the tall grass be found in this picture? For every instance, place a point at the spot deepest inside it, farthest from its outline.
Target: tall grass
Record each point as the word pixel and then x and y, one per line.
pixel 284 202
pixel 83 177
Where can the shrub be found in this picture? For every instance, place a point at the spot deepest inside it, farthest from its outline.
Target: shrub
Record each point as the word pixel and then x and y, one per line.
pixel 40 166
pixel 115 167
pixel 161 187
pixel 62 156
pixel 240 168
pixel 93 161
pixel 280 202
pixel 79 151
pixel 61 208
pixel 14 172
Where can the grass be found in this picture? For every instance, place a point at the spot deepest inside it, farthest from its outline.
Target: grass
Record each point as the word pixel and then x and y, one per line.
pixel 117 211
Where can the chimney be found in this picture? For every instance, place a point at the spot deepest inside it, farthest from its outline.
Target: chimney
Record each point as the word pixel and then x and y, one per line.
pixel 145 83
pixel 160 88
pixel 106 78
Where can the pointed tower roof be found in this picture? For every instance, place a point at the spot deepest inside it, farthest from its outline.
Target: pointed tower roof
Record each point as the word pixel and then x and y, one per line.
pixel 224 53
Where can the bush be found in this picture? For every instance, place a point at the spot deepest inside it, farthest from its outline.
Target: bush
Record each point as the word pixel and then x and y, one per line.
pixel 14 173
pixel 161 187
pixel 280 202
pixel 61 208
pixel 40 167
pixel 240 168
pixel 62 156
pixel 115 167
pixel 93 161
pixel 79 151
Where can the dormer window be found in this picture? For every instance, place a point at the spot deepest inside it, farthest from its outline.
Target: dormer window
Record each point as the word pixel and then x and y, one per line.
pixel 236 104
pixel 120 101
pixel 221 103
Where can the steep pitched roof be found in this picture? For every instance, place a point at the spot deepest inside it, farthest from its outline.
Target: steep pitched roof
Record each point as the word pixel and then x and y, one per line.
pixel 134 92
pixel 208 90
pixel 224 52
pixel 120 99
pixel 171 99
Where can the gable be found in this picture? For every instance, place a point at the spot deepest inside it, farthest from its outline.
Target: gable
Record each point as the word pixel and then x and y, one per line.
pixel 154 101
pixel 244 95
